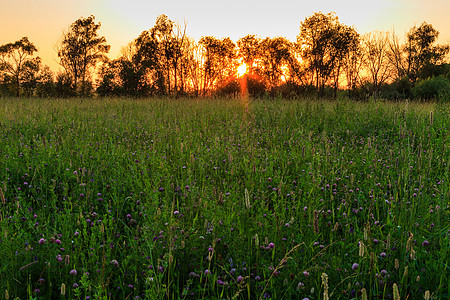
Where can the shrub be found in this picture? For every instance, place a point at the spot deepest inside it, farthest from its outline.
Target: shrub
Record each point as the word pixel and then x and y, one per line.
pixel 431 88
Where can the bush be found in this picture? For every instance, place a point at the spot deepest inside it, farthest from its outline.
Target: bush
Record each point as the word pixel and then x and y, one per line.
pixel 431 88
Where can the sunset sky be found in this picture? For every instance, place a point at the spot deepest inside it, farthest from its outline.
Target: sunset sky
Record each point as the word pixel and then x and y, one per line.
pixel 43 21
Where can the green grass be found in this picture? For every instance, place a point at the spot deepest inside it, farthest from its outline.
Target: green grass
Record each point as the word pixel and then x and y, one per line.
pixel 216 199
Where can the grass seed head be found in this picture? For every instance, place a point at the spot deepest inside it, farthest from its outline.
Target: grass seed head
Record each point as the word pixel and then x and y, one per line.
pixel 361 249
pixel 396 293
pixel 316 221
pixel 364 294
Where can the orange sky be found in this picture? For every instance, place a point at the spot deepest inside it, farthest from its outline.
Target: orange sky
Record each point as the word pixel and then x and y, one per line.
pixel 122 21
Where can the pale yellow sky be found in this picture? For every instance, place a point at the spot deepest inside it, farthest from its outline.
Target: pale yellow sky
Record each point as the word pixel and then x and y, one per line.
pixel 43 21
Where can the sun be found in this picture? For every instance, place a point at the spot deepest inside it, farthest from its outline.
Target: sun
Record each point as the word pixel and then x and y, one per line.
pixel 242 70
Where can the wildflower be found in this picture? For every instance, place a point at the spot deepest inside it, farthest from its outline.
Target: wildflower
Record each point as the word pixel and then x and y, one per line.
pixel 41 241
pixel 192 274
pixel 383 254
pixel 355 266
pixel 73 272
pixel 207 272
pixel 240 278
pixel 425 243
pixel 115 262
pixel 306 273
pixel 176 212
pixel 271 245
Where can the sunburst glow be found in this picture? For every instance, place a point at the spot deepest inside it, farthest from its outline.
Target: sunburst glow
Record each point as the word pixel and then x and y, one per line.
pixel 241 70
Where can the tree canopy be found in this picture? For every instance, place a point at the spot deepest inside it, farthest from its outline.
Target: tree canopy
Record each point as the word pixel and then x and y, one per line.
pixel 80 49
pixel 326 58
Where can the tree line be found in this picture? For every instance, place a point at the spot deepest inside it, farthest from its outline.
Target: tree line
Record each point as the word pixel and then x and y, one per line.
pixel 328 58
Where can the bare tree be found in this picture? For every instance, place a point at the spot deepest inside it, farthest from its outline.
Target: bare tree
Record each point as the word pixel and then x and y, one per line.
pixel 377 62
pixel 353 64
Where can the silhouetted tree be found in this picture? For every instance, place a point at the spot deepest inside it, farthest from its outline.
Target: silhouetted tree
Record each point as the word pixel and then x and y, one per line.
pixel 324 42
pixel 160 52
pixel 353 63
pixel 249 50
pixel 124 76
pixel 80 50
pixel 345 38
pixel 17 63
pixel 376 62
pixel 421 51
pixel 275 54
pixel 397 57
pixel 220 60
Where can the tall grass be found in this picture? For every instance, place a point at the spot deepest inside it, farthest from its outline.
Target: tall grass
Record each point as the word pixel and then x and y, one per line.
pixel 170 199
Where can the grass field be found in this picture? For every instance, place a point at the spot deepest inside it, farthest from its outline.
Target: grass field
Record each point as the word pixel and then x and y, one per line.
pixel 216 199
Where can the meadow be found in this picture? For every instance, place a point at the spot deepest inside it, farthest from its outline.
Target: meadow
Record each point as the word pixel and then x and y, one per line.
pixel 223 199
